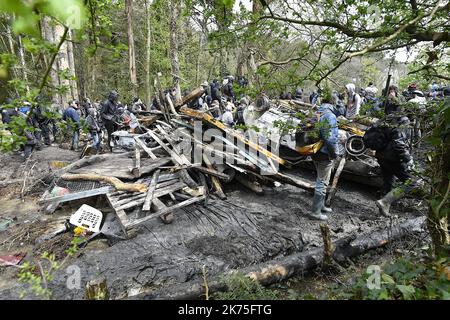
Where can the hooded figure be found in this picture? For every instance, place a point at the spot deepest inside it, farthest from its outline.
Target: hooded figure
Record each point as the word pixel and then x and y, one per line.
pixel 298 94
pixel 353 101
pixel 390 141
pixel 323 160
pixel 108 114
pixel 393 100
pixel 227 117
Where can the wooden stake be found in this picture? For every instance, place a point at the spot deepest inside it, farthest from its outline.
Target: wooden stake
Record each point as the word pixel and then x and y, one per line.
pixel 327 245
pixel 97 290
pixel 337 174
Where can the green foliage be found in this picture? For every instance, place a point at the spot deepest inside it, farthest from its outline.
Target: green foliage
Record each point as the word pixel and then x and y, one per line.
pixel 404 279
pixel 39 274
pixel 69 12
pixel 241 287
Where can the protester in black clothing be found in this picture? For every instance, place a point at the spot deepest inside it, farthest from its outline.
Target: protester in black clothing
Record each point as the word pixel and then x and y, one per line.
pixel 389 139
pixel 108 114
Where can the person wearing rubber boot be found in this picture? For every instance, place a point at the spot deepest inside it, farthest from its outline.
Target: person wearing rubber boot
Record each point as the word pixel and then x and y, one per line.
pixel 323 160
pixel 390 141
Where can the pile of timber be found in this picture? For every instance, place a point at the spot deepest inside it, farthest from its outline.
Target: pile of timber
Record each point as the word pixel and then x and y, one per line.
pixel 175 164
pixel 171 168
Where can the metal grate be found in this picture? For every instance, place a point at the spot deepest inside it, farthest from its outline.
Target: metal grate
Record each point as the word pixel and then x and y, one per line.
pixel 78 186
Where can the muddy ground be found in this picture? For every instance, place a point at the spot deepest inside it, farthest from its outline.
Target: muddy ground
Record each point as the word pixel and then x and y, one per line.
pixel 242 230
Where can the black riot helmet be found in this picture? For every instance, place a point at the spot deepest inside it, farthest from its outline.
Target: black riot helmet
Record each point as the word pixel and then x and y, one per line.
pixel 113 96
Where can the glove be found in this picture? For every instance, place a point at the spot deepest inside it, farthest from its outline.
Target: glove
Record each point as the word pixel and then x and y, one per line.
pixel 409 166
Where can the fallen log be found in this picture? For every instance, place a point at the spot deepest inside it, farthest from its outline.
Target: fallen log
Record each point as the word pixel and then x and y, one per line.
pixel 296 264
pixel 119 185
pixel 252 185
pixel 292 180
pixel 73 166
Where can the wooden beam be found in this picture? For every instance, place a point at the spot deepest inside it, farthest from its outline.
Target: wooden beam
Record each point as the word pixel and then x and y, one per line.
pixel 215 181
pixel 159 205
pixel 171 152
pixel 208 118
pixel 158 193
pixel 194 94
pixel 137 162
pixel 145 148
pixel 151 191
pixel 166 210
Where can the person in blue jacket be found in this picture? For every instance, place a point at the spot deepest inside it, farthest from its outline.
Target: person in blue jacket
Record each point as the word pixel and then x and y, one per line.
pixel 72 116
pixel 327 115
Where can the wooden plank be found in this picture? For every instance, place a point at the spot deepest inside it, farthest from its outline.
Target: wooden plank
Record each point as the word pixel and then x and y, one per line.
pixel 167 136
pixel 145 148
pixel 159 205
pixel 197 92
pixel 135 171
pixel 158 193
pixel 166 210
pixel 173 154
pixel 213 172
pixel 215 181
pixel 151 191
pixel 233 133
pixel 120 212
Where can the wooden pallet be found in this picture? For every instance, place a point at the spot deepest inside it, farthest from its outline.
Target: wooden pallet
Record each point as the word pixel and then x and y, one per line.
pixel 166 186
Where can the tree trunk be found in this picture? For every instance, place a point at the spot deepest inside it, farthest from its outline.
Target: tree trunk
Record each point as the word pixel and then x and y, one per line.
pixel 437 221
pixel 12 51
pixel 72 72
pixel 148 95
pixel 131 51
pixel 175 64
pixel 63 66
pixel 23 64
pixel 49 35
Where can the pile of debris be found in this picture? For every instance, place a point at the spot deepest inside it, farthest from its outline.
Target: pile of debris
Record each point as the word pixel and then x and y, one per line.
pixel 183 157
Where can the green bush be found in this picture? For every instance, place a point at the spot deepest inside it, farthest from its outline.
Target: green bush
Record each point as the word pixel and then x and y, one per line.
pixel 241 287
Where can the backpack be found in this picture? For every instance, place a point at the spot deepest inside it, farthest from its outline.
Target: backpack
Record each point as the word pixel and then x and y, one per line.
pixel 377 137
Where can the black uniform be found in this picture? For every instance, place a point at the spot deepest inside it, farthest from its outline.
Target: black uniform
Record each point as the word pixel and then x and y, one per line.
pixel 43 122
pixel 392 151
pixel 108 114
